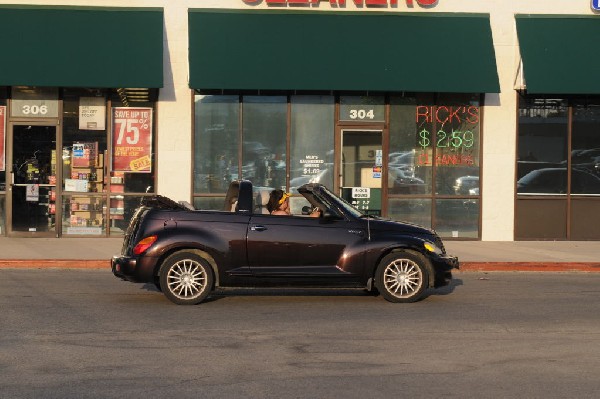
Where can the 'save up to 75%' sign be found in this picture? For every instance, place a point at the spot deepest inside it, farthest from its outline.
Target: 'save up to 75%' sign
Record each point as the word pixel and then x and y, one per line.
pixel 132 139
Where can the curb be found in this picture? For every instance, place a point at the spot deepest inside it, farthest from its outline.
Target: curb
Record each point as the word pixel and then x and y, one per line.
pixel 529 267
pixel 464 266
pixel 54 263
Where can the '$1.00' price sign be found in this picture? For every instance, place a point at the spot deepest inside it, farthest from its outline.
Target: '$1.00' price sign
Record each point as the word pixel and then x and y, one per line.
pixel 132 140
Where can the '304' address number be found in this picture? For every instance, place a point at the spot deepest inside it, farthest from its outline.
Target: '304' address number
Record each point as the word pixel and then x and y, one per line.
pixel 362 114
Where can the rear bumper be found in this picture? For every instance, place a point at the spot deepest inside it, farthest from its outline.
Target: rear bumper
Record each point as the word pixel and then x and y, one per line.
pixel 137 270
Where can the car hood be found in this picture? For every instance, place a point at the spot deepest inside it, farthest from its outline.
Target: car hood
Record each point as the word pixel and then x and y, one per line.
pixel 379 224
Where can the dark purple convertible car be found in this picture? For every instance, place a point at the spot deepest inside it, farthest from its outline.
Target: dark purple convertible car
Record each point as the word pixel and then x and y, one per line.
pixel 188 253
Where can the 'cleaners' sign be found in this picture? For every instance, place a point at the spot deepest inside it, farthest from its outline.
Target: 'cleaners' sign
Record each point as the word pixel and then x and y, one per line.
pixel 342 3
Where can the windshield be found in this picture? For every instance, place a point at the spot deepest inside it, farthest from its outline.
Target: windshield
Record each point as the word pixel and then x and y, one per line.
pixel 347 207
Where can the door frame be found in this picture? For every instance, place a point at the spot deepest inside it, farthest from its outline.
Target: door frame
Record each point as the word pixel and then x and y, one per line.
pixel 53 122
pixel 338 149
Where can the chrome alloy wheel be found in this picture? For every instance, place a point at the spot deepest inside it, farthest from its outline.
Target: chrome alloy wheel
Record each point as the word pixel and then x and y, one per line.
pixel 187 279
pixel 402 278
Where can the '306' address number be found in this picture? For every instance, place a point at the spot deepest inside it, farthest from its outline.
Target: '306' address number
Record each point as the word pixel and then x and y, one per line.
pixel 34 109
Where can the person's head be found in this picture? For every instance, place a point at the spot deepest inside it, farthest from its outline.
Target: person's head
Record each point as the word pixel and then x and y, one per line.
pixel 278 200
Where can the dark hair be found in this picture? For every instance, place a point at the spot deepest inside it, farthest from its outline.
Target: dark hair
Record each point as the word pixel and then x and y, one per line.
pixel 274 198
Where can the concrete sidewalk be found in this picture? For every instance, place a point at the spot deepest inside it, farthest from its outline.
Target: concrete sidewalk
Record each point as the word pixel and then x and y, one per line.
pixel 473 255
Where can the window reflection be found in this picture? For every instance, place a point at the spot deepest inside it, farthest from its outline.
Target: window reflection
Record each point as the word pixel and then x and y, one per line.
pixel 542 154
pixel 410 210
pixel 585 148
pixel 457 126
pixel 122 208
pixel 209 203
pixel 216 139
pixel 264 140
pixel 409 165
pixel 457 218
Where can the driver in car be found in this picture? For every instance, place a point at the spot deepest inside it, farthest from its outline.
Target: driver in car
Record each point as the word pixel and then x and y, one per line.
pixel 279 204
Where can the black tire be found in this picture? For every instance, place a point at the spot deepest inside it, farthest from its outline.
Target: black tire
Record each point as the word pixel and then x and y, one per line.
pixel 402 276
pixel 186 278
pixel 157 283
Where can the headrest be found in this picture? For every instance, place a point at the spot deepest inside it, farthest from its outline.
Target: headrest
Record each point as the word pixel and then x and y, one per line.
pixel 262 197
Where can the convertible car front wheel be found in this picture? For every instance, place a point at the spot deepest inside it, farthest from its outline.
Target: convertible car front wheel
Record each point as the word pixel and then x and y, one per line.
pixel 402 276
pixel 186 278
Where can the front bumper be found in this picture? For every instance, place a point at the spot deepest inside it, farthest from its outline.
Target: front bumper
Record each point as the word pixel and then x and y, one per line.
pixel 443 266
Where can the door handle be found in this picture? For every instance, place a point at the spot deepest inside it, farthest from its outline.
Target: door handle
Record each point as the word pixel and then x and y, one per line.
pixel 258 228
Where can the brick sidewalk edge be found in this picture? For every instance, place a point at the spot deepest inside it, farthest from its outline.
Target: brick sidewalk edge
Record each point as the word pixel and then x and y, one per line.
pixel 464 267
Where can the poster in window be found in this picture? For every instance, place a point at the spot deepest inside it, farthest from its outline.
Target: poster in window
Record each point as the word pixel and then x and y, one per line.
pixel 92 113
pixel 85 154
pixel 2 124
pixel 132 139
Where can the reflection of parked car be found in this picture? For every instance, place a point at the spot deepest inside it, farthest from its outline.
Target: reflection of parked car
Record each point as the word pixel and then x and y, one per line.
pixel 464 184
pixel 404 161
pixel 587 160
pixel 402 182
pixel 554 181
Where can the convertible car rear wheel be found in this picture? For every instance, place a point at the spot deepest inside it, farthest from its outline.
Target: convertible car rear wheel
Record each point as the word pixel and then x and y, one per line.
pixel 186 278
pixel 402 276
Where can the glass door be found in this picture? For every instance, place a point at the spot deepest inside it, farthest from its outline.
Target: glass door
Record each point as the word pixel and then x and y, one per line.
pixel 361 171
pixel 32 199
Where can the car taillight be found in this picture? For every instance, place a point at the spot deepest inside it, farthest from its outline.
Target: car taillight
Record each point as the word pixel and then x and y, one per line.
pixel 144 244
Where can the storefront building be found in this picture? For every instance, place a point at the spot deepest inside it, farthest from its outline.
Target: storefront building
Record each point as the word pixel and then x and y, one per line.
pixel 479 120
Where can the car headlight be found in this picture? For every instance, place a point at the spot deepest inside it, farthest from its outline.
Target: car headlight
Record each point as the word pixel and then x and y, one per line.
pixel 432 248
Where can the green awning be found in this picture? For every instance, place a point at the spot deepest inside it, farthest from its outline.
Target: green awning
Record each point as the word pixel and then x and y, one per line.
pixel 81 46
pixel 560 53
pixel 379 51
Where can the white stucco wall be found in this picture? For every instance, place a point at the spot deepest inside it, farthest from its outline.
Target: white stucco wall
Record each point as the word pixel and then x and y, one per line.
pixel 174 114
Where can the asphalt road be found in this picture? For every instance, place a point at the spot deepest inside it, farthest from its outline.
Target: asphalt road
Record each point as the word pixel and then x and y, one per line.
pixel 85 334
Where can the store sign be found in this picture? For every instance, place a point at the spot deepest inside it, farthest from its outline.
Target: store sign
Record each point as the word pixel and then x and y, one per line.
pixel 311 165
pixel 342 3
pixel 2 137
pixel 365 199
pixel 34 102
pixel 92 113
pixel 132 139
pixel 596 5
pixel 455 136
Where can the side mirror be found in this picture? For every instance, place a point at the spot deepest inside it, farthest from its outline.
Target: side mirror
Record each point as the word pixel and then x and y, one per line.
pixel 327 214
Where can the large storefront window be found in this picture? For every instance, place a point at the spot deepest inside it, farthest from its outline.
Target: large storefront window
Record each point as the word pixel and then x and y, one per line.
pixel 81 160
pixel 558 173
pixel 90 171
pixel 433 162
